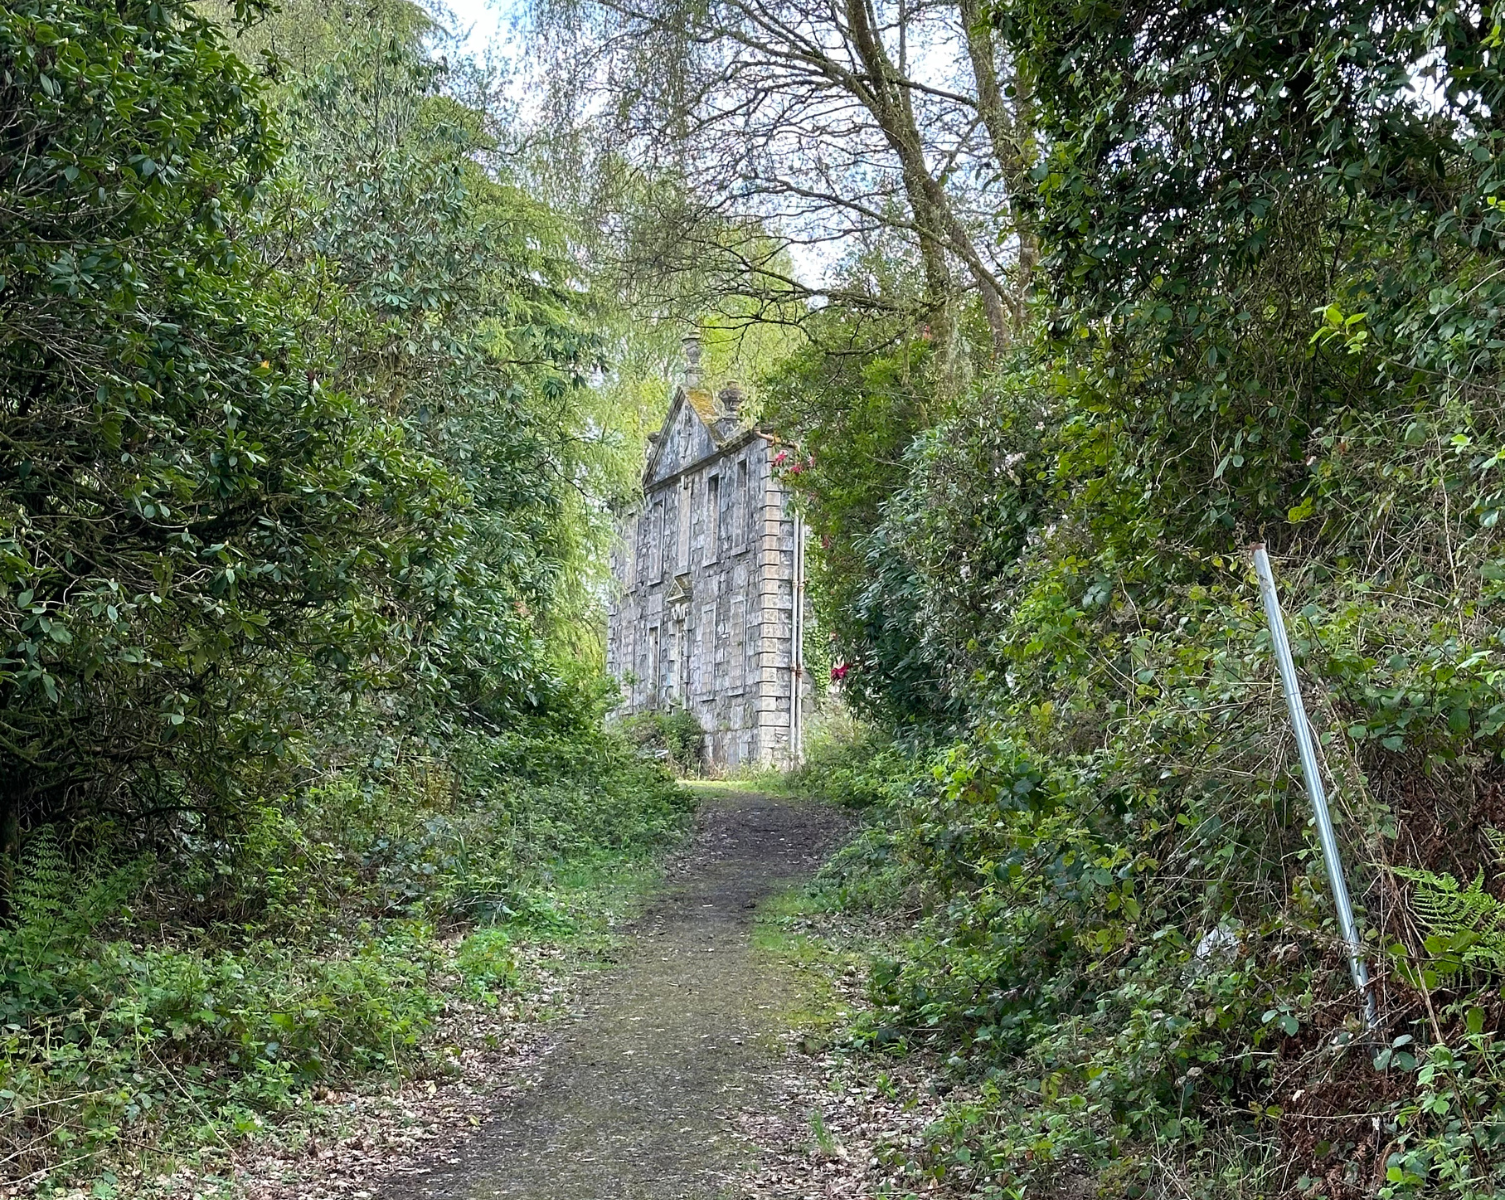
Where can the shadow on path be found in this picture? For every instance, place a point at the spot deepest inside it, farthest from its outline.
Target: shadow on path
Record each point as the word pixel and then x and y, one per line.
pixel 640 1098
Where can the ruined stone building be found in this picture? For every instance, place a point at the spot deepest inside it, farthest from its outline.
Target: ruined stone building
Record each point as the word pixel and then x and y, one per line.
pixel 708 606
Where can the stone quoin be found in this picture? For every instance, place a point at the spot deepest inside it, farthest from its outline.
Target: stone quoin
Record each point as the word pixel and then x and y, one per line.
pixel 708 606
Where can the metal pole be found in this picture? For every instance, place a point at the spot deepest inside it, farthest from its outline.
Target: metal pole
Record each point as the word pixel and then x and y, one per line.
pixel 1308 752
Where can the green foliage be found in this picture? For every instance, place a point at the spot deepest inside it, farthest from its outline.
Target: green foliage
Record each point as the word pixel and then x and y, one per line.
pixel 488 960
pixel 847 763
pixel 302 487
pixel 301 452
pixel 180 491
pixel 849 419
pixel 1466 925
pixel 673 735
pixel 441 291
pixel 339 961
pixel 56 907
pixel 1269 312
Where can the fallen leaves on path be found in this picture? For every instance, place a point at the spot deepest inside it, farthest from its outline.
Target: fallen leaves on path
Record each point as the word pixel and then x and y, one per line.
pixel 857 1147
pixel 847 1125
pixel 486 1052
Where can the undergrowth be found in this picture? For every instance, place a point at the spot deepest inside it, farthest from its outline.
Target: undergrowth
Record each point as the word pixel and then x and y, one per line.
pixel 674 737
pixel 1124 956
pixel 175 1006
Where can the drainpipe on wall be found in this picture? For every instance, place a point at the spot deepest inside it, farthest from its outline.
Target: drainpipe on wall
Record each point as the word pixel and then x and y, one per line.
pixel 797 643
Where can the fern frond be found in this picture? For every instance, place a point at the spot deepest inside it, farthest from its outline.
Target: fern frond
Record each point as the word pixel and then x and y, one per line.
pixel 43 880
pixel 1447 910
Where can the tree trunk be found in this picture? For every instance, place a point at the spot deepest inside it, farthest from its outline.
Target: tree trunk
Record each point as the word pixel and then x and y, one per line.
pixel 1012 137
pixel 886 97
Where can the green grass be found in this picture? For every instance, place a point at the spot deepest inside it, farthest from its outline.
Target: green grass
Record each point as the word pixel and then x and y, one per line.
pixel 792 931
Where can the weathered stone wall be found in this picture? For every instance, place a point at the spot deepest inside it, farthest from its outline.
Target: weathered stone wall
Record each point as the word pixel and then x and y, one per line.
pixel 701 615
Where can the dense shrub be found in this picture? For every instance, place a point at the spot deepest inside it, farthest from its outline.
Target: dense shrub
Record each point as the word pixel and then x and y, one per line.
pixel 673 736
pixel 1272 321
pixel 848 762
pixel 180 494
pixel 300 485
pixel 150 1004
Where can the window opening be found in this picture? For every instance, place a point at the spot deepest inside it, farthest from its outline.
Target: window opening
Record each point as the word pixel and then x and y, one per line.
pixel 713 519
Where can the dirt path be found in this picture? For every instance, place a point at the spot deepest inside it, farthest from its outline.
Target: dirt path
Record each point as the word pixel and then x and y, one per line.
pixel 640 1100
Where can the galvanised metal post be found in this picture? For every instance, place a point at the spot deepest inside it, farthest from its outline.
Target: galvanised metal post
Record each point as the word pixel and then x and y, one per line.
pixel 1308 752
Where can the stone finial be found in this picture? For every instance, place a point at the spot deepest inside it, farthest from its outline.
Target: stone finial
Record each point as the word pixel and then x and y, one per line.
pixel 692 360
pixel 730 398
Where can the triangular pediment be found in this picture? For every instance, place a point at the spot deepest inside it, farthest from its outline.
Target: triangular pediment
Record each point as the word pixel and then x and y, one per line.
pixel 694 430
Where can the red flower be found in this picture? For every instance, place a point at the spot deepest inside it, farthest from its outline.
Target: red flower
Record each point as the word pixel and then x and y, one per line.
pixel 780 457
pixel 839 672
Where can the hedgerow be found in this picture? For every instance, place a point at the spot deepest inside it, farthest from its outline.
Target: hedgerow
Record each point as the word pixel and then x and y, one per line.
pixel 1272 315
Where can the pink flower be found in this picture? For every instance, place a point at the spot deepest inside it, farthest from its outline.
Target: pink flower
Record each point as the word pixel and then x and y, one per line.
pixel 780 457
pixel 839 672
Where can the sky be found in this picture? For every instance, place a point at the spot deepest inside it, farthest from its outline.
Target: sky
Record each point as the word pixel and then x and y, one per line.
pixel 485 27
pixel 482 24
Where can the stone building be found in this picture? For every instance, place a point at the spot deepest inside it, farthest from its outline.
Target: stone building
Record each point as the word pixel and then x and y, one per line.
pixel 707 612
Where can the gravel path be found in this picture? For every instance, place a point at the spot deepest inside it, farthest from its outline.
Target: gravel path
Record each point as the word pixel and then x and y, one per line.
pixel 643 1097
